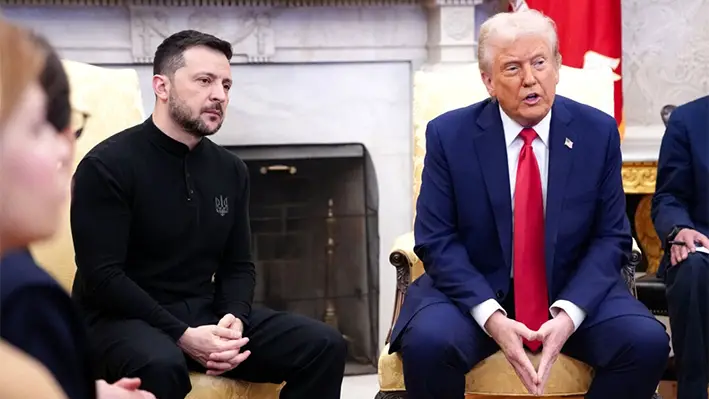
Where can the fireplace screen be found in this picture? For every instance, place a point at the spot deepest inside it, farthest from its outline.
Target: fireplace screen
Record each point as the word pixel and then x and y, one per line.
pixel 315 238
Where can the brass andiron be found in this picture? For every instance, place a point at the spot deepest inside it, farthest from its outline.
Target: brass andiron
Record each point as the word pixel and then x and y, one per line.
pixel 330 317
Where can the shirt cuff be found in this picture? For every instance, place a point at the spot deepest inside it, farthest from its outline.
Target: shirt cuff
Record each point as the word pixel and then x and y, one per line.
pixel 576 314
pixel 484 310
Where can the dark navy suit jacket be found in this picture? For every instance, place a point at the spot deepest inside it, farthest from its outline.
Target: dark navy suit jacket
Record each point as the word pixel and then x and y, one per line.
pixel 463 227
pixel 38 317
pixel 682 186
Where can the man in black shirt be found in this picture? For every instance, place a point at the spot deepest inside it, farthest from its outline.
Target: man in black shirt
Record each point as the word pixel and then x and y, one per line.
pixel 161 232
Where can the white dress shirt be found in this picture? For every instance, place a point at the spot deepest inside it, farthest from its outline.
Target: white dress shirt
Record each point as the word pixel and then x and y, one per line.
pixel 540 145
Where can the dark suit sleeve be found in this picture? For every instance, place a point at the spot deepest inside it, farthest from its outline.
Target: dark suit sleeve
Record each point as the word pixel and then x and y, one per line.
pixel 674 189
pixel 611 240
pixel 235 279
pixel 42 322
pixel 436 232
pixel 100 226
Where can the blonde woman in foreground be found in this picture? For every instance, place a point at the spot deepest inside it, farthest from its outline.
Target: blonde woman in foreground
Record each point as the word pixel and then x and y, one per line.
pixel 21 376
pixel 36 149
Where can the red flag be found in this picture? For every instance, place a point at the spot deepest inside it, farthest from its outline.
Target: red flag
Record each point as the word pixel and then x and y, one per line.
pixel 589 31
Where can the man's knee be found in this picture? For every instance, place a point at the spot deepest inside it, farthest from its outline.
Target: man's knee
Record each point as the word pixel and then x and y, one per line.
pixel 161 369
pixel 166 365
pixel 647 343
pixel 427 345
pixel 327 342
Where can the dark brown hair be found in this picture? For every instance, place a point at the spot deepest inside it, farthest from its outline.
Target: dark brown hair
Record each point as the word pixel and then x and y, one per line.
pixel 169 54
pixel 55 84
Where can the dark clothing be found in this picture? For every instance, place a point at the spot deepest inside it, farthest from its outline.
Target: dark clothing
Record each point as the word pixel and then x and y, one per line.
pixel 152 222
pixel 38 317
pixel 162 242
pixel 284 347
pixel 682 189
pixel 688 307
pixel 681 199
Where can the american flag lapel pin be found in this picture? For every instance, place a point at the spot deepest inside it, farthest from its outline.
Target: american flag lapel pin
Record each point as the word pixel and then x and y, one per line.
pixel 569 143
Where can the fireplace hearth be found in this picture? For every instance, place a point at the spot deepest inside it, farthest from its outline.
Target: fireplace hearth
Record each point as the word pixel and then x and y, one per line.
pixel 314 223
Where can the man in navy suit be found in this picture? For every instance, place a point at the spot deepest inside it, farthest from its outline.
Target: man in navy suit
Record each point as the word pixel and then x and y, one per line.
pixel 680 212
pixel 522 229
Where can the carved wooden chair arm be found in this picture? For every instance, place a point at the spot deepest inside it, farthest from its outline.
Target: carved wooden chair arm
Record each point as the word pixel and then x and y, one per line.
pixel 403 258
pixel 628 270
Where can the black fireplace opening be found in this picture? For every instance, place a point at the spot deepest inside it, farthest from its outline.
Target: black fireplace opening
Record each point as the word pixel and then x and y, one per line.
pixel 315 240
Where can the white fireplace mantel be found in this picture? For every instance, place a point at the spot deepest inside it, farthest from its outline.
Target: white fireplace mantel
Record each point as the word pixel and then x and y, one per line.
pixel 261 31
pixel 642 143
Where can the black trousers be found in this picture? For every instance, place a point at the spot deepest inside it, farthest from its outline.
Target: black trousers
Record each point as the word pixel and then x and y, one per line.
pixel 305 353
pixel 688 305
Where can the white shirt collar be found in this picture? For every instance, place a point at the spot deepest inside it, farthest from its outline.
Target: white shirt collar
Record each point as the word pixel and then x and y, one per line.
pixel 512 128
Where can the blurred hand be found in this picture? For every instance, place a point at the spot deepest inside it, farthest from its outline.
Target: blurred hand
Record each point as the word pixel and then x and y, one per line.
pixel 125 388
pixel 509 334
pixel 689 237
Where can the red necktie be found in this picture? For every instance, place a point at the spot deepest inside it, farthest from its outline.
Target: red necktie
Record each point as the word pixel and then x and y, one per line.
pixel 530 285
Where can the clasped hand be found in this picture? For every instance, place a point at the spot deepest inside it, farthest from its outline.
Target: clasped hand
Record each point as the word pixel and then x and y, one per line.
pixel 509 335
pixel 216 347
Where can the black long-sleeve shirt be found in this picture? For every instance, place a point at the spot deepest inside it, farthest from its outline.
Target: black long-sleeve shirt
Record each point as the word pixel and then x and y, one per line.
pixel 156 224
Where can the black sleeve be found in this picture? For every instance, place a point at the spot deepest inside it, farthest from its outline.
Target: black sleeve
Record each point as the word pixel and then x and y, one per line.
pixel 100 226
pixel 235 279
pixel 42 322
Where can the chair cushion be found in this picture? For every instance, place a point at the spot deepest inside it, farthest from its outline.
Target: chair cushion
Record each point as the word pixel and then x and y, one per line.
pixel 208 387
pixel 495 376
pixel 651 292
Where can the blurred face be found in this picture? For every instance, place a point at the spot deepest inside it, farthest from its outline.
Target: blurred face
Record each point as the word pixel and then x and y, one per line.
pixel 523 77
pixel 198 94
pixel 35 170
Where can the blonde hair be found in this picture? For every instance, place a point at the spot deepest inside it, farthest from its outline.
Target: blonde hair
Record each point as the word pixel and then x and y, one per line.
pixel 508 26
pixel 21 62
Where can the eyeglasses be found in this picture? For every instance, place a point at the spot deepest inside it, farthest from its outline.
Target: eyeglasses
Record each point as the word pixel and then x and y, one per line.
pixel 78 120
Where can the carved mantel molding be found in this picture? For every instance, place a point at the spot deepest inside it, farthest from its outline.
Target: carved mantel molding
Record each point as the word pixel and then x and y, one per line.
pixel 211 3
pixel 127 32
pixel 251 34
pixel 245 3
pixel 452 30
pixel 262 31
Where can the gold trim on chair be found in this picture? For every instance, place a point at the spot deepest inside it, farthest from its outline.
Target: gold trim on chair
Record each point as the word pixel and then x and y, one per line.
pixel 495 376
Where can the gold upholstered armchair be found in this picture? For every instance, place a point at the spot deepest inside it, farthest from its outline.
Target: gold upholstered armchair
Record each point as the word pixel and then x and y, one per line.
pixel 106 101
pixel 435 92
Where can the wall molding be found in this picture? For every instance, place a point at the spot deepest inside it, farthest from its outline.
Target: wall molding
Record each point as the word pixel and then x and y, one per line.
pixel 261 31
pixel 221 3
